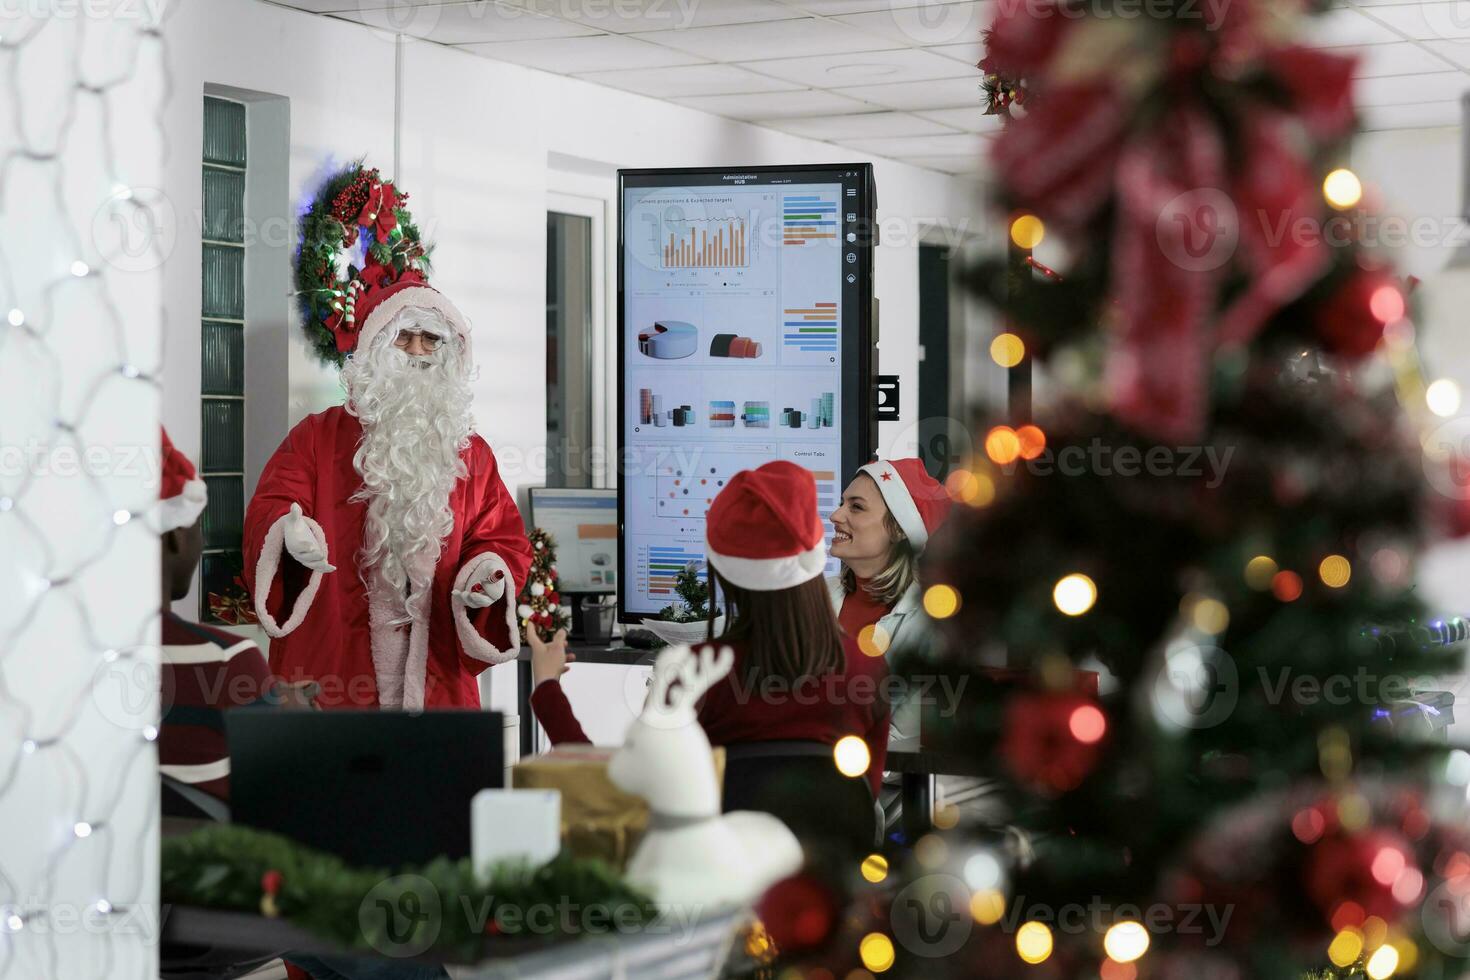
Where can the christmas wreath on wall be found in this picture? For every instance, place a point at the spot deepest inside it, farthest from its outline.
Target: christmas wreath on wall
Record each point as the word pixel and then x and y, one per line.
pixel 356 232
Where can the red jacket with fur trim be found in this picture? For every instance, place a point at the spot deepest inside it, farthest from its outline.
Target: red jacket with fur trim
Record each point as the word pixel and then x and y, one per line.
pixel 741 708
pixel 320 624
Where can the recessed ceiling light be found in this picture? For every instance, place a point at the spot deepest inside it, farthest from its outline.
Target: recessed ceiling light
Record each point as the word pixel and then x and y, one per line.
pixel 862 71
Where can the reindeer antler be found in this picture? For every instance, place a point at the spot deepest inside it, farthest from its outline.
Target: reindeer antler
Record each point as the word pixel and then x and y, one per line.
pixel 680 677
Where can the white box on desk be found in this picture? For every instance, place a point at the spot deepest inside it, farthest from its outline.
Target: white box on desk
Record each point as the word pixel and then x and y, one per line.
pixel 514 824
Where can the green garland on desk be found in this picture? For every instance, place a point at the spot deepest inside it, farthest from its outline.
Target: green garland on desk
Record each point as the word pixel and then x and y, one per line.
pixel 242 870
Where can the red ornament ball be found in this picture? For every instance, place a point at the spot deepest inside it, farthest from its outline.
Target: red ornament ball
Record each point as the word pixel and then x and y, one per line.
pixel 1361 869
pixel 1351 322
pixel 1051 741
pixel 799 913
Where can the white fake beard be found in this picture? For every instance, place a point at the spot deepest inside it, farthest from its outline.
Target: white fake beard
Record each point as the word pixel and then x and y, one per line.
pixel 415 414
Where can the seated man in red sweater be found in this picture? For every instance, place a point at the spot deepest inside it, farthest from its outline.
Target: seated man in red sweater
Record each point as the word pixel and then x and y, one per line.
pixel 203 671
pixel 797 677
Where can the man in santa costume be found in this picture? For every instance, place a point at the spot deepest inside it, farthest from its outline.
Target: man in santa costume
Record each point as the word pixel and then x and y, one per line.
pixel 382 550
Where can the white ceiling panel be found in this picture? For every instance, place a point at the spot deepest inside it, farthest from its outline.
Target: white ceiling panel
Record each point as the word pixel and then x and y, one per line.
pixel 862 68
pixel 465 23
pixel 568 55
pixel 1401 58
pixel 926 24
pixel 1412 116
pixel 957 144
pixel 780 105
pixel 946 93
pixel 861 125
pixel 962 164
pixel 1336 28
pixel 889 77
pixel 1455 54
pixel 830 8
pixel 1409 89
pixel 670 83
pixel 773 39
pixel 971 119
pixel 1425 21
pixel 968 55
pixel 634 16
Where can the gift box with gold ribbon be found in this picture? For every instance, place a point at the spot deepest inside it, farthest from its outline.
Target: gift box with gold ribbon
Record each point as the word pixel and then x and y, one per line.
pixel 597 819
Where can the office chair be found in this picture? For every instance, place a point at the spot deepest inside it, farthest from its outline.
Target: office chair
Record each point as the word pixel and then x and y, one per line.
pixel 796 782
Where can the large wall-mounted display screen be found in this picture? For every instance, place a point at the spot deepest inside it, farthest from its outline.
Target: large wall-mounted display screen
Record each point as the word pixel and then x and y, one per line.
pixel 744 304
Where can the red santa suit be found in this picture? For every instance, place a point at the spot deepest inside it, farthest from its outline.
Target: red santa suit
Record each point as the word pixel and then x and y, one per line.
pixel 322 625
pixel 327 625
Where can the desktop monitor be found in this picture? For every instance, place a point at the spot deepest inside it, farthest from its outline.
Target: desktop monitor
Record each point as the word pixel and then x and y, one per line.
pixel 585 526
pixel 375 768
pixel 745 307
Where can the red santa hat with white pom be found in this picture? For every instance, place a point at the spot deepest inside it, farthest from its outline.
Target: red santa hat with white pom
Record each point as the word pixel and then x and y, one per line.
pixel 763 531
pixel 917 501
pixel 375 306
pixel 181 494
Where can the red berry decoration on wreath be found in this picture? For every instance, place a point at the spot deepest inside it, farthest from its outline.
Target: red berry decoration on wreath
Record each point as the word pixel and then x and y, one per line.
pixel 270 890
pixel 357 237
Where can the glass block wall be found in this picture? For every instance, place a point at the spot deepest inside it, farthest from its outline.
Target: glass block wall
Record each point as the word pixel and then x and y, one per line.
pixel 222 374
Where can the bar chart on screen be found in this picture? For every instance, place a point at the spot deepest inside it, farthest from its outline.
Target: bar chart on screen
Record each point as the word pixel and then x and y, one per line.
pixel 658 565
pixel 808 219
pixel 809 330
pixel 705 243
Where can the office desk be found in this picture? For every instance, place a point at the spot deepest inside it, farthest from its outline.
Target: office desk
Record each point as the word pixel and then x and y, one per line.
pixel 918 766
pixel 586 653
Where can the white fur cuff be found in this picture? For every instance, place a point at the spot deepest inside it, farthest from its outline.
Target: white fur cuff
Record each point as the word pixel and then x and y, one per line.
pixel 266 567
pixel 474 644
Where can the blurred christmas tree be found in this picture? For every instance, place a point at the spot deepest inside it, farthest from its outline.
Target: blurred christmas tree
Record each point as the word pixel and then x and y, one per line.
pixel 1219 507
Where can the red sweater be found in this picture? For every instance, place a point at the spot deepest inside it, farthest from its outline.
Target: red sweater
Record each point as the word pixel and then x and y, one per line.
pixel 205 672
pixel 739 709
pixel 860 609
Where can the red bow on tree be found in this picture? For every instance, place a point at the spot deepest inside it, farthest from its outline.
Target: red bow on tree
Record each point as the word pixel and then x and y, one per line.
pixel 377 212
pixel 1191 213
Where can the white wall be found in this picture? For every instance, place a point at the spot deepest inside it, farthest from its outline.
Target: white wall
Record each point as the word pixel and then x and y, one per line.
pixel 483 145
pixel 1416 176
pixel 79 575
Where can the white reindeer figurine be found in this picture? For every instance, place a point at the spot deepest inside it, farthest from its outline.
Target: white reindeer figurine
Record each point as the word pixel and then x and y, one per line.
pixel 692 855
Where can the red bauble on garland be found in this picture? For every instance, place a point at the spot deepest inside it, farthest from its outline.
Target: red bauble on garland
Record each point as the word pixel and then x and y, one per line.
pixel 1051 741
pixel 799 913
pixel 1351 323
pixel 1352 875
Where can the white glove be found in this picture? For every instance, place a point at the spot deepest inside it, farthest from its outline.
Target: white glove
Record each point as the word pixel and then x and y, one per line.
pixel 485 591
pixel 302 544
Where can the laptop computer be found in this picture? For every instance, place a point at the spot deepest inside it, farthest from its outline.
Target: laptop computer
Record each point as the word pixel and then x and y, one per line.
pixel 379 789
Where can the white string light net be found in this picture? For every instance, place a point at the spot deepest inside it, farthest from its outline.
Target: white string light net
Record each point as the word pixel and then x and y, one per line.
pixel 81 152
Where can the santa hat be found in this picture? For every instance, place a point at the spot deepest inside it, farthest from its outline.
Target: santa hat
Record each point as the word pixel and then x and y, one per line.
pixel 181 494
pixel 917 501
pixel 763 532
pixel 377 299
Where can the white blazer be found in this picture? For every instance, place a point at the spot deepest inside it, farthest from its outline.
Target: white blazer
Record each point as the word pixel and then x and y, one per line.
pixel 904 623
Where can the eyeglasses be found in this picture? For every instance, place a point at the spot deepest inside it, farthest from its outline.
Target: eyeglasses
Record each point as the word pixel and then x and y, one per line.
pixel 428 341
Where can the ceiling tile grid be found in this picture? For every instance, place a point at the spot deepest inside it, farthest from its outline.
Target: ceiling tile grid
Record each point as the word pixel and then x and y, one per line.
pixel 891 77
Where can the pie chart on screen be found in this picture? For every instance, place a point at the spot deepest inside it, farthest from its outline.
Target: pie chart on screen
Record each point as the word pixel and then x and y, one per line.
pixel 668 340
